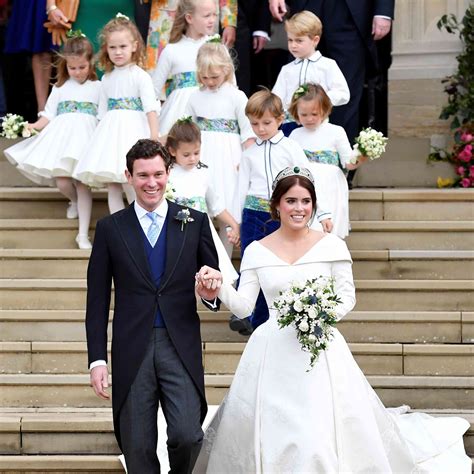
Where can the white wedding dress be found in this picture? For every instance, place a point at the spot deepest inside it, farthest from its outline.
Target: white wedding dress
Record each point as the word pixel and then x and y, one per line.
pixel 278 417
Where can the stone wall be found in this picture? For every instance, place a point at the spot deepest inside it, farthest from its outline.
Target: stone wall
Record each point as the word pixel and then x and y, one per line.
pixel 422 55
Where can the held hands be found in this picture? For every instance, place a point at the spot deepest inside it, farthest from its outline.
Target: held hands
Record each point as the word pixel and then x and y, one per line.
pixel 100 381
pixel 208 283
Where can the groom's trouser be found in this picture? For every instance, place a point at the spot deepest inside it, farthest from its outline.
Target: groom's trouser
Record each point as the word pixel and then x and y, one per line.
pixel 162 378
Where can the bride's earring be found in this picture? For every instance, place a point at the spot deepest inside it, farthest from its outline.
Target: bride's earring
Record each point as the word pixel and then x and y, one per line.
pixel 278 214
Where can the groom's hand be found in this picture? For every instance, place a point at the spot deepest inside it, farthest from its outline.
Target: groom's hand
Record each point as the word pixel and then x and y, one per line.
pixel 208 283
pixel 100 381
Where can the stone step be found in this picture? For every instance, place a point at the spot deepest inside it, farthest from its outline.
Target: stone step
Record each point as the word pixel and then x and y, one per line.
pixel 33 390
pixel 435 327
pixel 61 463
pixel 411 235
pixel 87 431
pixel 43 203
pixel 365 235
pixel 222 358
pixel 368 264
pixel 411 204
pixel 397 295
pixel 364 204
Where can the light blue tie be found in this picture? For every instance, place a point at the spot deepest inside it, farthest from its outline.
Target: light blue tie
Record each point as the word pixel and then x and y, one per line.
pixel 154 229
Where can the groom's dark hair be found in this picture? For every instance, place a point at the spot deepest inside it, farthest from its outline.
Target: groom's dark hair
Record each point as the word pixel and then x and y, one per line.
pixel 146 149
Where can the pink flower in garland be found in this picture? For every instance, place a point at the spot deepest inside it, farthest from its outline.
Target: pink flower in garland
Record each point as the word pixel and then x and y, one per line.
pixel 460 170
pixel 465 182
pixel 471 171
pixel 466 154
pixel 466 137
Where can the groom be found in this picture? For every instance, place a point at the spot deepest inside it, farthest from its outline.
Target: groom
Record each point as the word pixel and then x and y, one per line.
pixel 151 251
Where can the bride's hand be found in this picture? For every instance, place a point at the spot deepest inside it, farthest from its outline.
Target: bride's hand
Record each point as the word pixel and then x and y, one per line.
pixel 208 282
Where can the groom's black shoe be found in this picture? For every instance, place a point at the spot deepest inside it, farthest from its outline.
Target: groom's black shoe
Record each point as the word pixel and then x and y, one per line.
pixel 243 326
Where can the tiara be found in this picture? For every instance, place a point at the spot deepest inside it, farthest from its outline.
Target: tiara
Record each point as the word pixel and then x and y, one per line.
pixel 295 171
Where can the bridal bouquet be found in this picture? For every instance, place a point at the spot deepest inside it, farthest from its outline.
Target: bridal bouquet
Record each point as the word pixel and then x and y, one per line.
pixel 310 307
pixel 369 143
pixel 14 126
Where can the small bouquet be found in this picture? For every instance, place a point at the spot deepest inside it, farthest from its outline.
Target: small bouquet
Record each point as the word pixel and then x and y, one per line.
pixel 310 307
pixel 369 143
pixel 15 126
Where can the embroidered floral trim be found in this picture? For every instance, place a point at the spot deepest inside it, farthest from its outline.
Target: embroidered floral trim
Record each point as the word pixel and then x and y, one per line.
pixel 125 103
pixel 327 157
pixel 184 216
pixel 197 203
pixel 257 204
pixel 218 125
pixel 75 107
pixel 181 81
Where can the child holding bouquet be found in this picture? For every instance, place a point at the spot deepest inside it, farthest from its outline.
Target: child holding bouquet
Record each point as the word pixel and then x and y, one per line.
pixel 67 124
pixel 327 148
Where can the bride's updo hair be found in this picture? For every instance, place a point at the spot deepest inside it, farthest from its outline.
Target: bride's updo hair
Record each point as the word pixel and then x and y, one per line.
pixel 283 187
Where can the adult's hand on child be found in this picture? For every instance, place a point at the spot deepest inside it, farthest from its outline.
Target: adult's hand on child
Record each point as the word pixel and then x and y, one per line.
pixel 100 381
pixel 233 236
pixel 228 36
pixel 327 225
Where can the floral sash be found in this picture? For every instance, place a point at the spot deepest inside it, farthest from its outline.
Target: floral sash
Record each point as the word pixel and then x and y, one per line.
pixel 73 107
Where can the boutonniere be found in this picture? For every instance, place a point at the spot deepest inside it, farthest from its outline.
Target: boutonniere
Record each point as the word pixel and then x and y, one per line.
pixel 184 216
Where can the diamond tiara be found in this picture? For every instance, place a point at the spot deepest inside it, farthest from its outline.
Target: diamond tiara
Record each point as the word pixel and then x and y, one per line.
pixel 292 171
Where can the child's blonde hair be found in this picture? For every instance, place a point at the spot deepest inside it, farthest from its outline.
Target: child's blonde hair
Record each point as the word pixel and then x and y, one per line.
pixel 304 23
pixel 262 101
pixel 309 92
pixel 75 46
pixel 120 23
pixel 214 56
pixel 180 25
pixel 183 131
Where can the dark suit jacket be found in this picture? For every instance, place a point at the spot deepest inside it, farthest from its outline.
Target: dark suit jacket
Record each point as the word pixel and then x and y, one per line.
pixel 362 13
pixel 118 254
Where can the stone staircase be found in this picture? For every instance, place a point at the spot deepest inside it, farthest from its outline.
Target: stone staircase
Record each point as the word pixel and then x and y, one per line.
pixel 412 331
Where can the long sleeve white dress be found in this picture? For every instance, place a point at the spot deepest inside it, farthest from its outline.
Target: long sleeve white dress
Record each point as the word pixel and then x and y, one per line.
pixel 278 417
pixel 72 113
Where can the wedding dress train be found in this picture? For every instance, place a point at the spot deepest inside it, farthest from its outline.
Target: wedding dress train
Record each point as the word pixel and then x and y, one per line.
pixel 280 417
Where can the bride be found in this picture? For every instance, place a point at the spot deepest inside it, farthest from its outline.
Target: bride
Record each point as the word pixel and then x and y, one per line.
pixel 279 417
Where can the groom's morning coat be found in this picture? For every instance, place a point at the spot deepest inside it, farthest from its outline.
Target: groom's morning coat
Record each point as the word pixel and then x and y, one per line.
pixel 118 254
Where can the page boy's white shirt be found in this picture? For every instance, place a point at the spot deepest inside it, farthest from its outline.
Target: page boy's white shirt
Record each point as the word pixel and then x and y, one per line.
pixel 261 163
pixel 316 69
